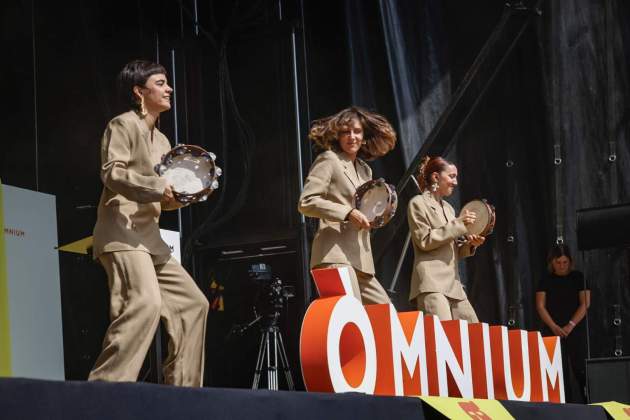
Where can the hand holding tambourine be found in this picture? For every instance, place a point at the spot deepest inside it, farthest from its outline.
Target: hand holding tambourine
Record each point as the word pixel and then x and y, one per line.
pixel 468 217
pixel 479 217
pixel 168 201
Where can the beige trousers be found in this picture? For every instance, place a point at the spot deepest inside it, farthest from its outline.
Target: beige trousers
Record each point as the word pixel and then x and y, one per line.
pixel 446 308
pixel 365 286
pixel 143 289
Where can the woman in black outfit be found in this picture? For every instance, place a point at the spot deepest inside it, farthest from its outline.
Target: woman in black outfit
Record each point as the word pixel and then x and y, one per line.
pixel 562 299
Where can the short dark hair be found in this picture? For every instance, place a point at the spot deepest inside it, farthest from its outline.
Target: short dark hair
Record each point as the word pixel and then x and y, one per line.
pixel 557 251
pixel 136 73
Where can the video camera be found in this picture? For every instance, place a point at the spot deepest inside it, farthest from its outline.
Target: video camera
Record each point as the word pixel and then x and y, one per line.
pixel 260 272
pixel 276 292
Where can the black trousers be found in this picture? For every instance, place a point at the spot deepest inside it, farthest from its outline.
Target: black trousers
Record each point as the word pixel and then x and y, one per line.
pixel 574 365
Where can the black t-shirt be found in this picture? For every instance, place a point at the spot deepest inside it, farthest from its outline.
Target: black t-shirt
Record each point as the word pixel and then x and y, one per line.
pixel 562 295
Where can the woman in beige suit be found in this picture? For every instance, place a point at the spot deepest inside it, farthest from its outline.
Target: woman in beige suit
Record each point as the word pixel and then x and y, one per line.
pixel 146 283
pixel 440 240
pixel 343 237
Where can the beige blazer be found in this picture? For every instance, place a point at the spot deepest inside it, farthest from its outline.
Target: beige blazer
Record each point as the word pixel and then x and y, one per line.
pixel 434 229
pixel 129 208
pixel 328 195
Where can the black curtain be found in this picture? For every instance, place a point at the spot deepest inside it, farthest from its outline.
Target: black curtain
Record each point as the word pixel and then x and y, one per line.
pixel 548 138
pixel 584 49
pixel 233 78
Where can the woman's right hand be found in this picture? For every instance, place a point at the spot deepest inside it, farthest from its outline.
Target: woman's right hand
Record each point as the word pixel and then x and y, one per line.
pixel 557 330
pixel 468 217
pixel 167 196
pixel 358 219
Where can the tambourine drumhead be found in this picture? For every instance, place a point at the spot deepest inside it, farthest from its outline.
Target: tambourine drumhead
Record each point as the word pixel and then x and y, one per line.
pixel 377 200
pixel 484 223
pixel 188 174
pixel 191 171
pixel 374 202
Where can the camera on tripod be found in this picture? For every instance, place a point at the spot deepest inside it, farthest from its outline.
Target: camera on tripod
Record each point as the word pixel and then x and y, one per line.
pixel 277 294
pixel 272 355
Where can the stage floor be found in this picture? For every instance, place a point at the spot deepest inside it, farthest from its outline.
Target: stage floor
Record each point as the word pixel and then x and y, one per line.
pixel 39 399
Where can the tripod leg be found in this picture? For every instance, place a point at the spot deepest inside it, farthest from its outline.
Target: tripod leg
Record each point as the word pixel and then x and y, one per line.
pixel 259 361
pixel 285 363
pixel 274 368
pixel 270 381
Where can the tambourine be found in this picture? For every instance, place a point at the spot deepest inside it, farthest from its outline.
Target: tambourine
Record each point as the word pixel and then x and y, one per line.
pixel 486 217
pixel 377 200
pixel 191 171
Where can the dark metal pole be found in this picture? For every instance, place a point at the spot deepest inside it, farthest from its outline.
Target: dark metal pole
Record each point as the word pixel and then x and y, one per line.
pixel 298 62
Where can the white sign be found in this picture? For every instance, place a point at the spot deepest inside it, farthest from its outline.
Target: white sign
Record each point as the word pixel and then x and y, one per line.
pixel 171 238
pixel 32 282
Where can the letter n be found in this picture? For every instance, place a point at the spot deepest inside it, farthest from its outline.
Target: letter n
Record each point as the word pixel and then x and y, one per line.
pixel 448 357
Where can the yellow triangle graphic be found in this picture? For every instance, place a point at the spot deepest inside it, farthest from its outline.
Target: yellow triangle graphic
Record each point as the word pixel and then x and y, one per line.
pixel 79 247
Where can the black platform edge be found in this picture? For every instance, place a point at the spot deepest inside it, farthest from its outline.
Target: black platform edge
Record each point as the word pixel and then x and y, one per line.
pixel 41 399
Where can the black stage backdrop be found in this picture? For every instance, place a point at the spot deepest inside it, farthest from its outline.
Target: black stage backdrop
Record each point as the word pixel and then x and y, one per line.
pixel 561 93
pixel 248 78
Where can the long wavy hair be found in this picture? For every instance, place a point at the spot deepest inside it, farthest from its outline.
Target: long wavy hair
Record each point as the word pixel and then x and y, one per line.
pixel 378 134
